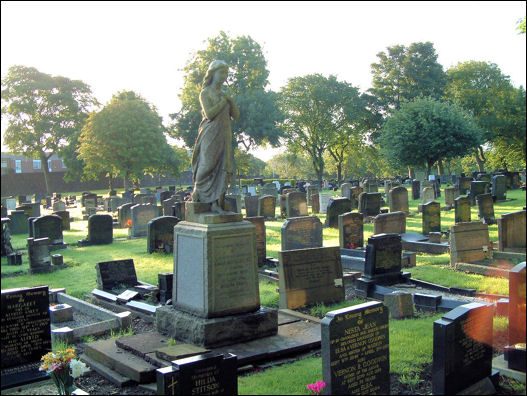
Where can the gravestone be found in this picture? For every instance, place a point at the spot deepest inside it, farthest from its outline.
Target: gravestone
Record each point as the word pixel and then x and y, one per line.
pixel 477 188
pixel 65 216
pixel 233 203
pixel 351 230
pixel 49 226
pixel 431 218
pixel 261 243
pixel 100 230
pixel 178 210
pixel 164 195
pixel 516 353
pixel 511 232
pixel 31 209
pixel 464 185
pixel 38 255
pixel 116 274
pixel 58 206
pixel 269 189
pixel 301 232
pixel 355 192
pixel 428 194
pixel 296 204
pixel 141 214
pixel 486 208
pixel 483 177
pixel 336 207
pixel 355 350
pixel 167 205
pixel 389 223
pixel 469 243
pixel 267 206
pixel 124 214
pixel 323 200
pixel 451 193
pixel 251 190
pixel 371 186
pixel 26 334
pixel 160 234
pixel 315 203
pixel 416 190
pixel 311 190
pixel 10 203
pixel 499 187
pixel 462 210
pixel 165 282
pixel 462 353
pixel 88 200
pixel 400 304
pixel 207 374
pixel 112 203
pixel 398 199
pixel 345 190
pixel 309 276
pixel 251 205
pixel 18 224
pixel 370 204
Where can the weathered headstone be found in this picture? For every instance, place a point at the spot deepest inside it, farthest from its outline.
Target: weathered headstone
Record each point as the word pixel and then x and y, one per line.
pixel 323 200
pixel 261 242
pixel 370 204
pixel 26 334
pixel 516 351
pixel 116 274
pixel 486 208
pixel 400 304
pixel 416 190
pixel 269 189
pixel 355 350
pixel 296 204
pixel 428 194
pixel 233 203
pixel 469 243
pixel 464 185
pixel 451 193
pixel 10 203
pixel 49 226
pixel 309 276
pixel 38 254
pixel 65 216
pixel 351 230
pixel 18 224
pixel 355 192
pixel 267 206
pixel 124 214
pixel 336 207
pixel 462 348
pixel 345 190
pixel 389 223
pixel 499 187
pixel 160 234
pixel 311 190
pixel 167 205
pixel 462 210
pixel 165 283
pixel 511 232
pixel 301 232
pixel 398 199
pixel 141 214
pixel 100 230
pixel 477 188
pixel 251 206
pixel 58 206
pixel 315 203
pixel 431 217
pixel 178 210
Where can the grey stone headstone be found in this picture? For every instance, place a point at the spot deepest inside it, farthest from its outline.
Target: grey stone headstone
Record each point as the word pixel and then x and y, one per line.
pixel 251 205
pixel 462 210
pixel 389 223
pixel 124 214
pixel 267 206
pixel 301 232
pixel 296 204
pixel 355 192
pixel 486 208
pixel 261 246
pixel 160 234
pixel 323 199
pixel 499 187
pixel 18 224
pixel 141 214
pixel 336 207
pixel 477 188
pixel 49 226
pixel 370 204
pixel 351 230
pixel 431 217
pixel 450 195
pixel 399 199
pixel 511 232
pixel 100 229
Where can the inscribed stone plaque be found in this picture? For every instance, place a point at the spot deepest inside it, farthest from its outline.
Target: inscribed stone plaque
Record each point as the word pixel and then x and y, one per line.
pixel 215 268
pixel 383 258
pixel 296 204
pixel 26 334
pixel 428 194
pixel 431 217
pixel 167 205
pixel 499 187
pixel 18 224
pixel 469 243
pixel 323 200
pixel 399 199
pixel 267 206
pixel 141 214
pixel 451 193
pixel 462 210
pixel 355 350
pixel 336 207
pixel 116 274
pixel 251 205
pixel 100 229
pixel 65 216
pixel 124 214
pixel 416 190
pixel 511 232
pixel 58 206
pixel 309 276
pixel 351 230
pixel 160 234
pixel 477 188
pixel 261 246
pixel 315 203
pixel 345 190
pixel 486 208
pixel 370 204
pixel 354 196
pixel 462 348
pixel 387 223
pixel 49 226
pixel 301 232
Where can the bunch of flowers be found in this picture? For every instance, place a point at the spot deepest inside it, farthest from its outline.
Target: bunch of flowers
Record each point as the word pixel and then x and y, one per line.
pixel 316 388
pixel 128 224
pixel 63 368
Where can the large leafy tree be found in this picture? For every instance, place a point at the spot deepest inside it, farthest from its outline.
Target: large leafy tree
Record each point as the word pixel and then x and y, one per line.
pixel 322 114
pixel 44 112
pixel 425 131
pixel 125 139
pixel 247 83
pixel 497 107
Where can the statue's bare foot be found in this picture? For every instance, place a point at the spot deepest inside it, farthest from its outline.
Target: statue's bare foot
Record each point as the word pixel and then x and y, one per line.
pixel 217 209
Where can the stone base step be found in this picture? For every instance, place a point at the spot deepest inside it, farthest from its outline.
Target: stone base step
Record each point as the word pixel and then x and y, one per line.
pixel 106 372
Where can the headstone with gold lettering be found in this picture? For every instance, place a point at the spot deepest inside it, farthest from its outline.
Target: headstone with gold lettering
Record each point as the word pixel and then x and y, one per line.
pixel 26 334
pixel 355 350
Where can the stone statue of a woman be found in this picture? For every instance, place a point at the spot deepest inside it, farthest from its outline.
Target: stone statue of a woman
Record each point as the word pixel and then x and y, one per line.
pixel 213 158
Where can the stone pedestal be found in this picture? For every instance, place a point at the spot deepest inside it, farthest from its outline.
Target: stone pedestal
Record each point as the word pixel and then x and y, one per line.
pixel 215 297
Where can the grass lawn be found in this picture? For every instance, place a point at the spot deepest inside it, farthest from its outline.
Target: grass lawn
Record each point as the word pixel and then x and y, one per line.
pixel 410 339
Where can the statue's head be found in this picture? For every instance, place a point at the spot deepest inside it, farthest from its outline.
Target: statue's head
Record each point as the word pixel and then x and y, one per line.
pixel 214 65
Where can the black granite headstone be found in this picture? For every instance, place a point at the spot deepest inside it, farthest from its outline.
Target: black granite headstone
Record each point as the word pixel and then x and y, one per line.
pixel 336 207
pixel 116 274
pixel 160 234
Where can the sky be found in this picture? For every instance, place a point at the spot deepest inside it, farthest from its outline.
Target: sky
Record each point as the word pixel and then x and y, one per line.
pixel 143 46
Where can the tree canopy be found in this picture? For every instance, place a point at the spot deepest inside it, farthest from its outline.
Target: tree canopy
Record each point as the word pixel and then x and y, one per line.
pixel 44 112
pixel 425 131
pixel 247 82
pixel 126 139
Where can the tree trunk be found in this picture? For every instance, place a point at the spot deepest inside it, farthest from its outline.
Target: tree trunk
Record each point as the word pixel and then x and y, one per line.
pixel 45 170
pixel 110 182
pixel 481 161
pixel 125 182
pixel 428 169
pixel 440 169
pixel 339 172
pixel 411 173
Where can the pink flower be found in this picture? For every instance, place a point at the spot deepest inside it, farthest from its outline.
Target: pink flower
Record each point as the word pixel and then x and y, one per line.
pixel 317 387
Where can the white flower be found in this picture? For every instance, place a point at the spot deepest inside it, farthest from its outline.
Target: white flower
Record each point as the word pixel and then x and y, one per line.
pixel 77 368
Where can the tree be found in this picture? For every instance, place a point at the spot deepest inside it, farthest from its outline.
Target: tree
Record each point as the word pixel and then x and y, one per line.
pixel 125 139
pixel 322 114
pixel 247 164
pixel 44 113
pixel 404 74
pixel 497 107
pixel 247 82
pixel 425 131
pixel 521 26
pixel 289 165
